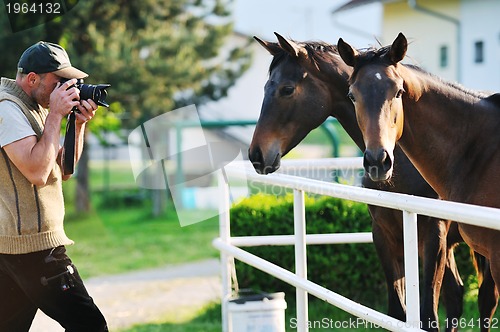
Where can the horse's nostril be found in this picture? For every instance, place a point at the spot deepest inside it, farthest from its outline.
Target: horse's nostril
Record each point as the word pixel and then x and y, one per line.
pixel 368 159
pixel 386 161
pixel 255 156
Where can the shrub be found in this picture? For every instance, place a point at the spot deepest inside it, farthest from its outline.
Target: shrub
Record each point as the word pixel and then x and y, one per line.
pixel 352 270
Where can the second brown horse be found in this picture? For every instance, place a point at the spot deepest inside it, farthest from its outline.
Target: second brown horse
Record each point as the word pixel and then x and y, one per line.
pixel 451 135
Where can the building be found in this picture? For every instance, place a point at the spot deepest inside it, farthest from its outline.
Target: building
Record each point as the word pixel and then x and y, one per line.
pixel 458 40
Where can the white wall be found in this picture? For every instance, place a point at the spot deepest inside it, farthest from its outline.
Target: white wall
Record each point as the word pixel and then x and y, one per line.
pixel 425 33
pixel 481 21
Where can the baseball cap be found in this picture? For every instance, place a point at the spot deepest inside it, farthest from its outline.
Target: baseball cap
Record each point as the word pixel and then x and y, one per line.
pixel 44 57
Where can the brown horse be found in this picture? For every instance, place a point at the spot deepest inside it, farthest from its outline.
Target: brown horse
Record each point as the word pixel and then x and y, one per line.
pixel 449 133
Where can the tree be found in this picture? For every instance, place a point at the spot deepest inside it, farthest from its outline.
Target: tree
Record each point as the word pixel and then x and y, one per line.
pixel 157 55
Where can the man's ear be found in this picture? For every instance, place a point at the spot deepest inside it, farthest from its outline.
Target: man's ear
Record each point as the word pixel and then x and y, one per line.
pixel 32 78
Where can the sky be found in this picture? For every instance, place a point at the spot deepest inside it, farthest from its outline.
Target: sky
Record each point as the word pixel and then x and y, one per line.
pixel 308 20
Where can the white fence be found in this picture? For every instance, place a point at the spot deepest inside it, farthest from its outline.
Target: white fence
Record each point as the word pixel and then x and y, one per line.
pixel 409 205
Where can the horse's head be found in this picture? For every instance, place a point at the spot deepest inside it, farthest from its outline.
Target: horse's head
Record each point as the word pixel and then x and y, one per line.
pixel 295 102
pixel 376 89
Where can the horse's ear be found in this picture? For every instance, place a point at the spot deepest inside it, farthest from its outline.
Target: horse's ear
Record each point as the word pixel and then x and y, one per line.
pixel 494 98
pixel 347 52
pixel 291 47
pixel 398 49
pixel 272 48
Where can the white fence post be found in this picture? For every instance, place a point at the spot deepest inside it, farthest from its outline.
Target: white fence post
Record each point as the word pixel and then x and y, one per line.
pixel 299 220
pixel 226 260
pixel 411 269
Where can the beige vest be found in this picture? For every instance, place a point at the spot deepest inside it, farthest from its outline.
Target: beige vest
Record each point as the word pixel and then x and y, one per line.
pixel 31 217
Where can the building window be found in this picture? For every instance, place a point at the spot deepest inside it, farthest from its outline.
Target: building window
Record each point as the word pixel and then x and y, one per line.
pixel 479 52
pixel 443 56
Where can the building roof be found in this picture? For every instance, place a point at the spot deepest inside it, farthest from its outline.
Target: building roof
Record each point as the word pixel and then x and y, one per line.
pixel 358 3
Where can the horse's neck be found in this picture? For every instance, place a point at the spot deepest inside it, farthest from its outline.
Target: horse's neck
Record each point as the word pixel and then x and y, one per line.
pixel 441 125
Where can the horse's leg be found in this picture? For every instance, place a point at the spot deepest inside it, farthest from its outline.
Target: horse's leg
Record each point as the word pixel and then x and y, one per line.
pixel 453 290
pixel 479 238
pixel 488 293
pixel 453 287
pixel 432 243
pixel 384 229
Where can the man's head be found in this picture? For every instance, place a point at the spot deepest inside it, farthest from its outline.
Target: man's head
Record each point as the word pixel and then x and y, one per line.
pixel 44 57
pixel 41 67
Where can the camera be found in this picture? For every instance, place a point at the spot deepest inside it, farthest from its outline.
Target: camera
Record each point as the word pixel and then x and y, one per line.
pixel 97 92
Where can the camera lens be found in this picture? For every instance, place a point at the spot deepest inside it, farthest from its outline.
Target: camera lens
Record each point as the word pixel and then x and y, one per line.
pixel 97 92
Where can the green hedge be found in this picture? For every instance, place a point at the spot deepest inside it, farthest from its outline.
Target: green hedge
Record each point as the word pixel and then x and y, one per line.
pixel 352 270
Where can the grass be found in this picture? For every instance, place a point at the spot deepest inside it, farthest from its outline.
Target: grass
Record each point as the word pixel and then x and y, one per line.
pixel 124 237
pixel 111 174
pixel 208 319
pixel 115 241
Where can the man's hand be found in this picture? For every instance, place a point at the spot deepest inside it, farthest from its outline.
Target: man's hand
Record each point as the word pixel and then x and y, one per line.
pixel 86 110
pixel 63 98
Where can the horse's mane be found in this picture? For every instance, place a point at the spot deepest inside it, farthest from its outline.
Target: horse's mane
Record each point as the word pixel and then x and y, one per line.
pixel 317 51
pixel 454 85
pixel 377 55
pixel 368 56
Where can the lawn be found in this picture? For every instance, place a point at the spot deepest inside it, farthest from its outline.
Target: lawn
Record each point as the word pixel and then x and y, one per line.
pixel 119 236
pixel 207 319
pixel 112 241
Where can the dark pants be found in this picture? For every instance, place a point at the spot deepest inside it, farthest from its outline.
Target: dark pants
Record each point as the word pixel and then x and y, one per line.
pixel 26 284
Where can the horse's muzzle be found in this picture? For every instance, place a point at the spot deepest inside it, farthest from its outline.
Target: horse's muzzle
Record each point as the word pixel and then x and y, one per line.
pixel 378 164
pixel 264 164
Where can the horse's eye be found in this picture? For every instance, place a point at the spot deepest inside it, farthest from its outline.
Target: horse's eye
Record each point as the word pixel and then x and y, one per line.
pixel 400 93
pixel 287 90
pixel 351 97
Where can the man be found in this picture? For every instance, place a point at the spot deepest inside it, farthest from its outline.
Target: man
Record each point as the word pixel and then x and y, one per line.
pixel 35 272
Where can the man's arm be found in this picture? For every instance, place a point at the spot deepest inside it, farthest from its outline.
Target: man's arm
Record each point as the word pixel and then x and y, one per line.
pixel 36 159
pixel 87 110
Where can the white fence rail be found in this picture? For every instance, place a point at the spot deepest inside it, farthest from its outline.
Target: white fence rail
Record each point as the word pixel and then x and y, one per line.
pixel 410 206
